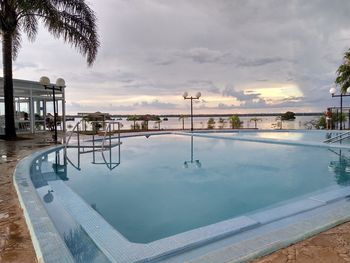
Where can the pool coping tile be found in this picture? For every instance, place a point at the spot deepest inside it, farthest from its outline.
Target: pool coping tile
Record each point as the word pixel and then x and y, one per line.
pixel 48 245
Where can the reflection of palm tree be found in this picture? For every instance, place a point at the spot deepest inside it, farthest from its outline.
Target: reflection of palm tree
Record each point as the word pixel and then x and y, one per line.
pixel 158 122
pixel 255 120
pixel 133 118
pixel 73 21
pixel 182 118
pixel 222 123
pixel 279 118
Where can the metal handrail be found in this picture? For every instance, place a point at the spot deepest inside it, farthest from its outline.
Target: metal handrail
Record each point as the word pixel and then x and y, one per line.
pixel 338 137
pixel 72 132
pixel 110 145
pixel 110 134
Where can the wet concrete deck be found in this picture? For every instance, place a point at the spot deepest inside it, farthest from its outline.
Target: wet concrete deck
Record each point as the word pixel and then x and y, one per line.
pixel 15 241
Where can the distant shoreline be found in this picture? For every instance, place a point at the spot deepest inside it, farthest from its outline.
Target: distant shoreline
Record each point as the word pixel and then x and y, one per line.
pixel 214 115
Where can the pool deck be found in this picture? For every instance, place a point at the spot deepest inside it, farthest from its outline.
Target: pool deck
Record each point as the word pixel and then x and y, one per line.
pixel 15 244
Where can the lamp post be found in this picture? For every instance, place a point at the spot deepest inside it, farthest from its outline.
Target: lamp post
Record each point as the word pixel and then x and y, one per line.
pixel 332 91
pixel 197 163
pixel 186 97
pixel 60 83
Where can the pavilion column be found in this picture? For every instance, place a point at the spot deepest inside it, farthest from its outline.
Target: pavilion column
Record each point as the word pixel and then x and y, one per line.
pixel 44 113
pixel 64 113
pixel 31 112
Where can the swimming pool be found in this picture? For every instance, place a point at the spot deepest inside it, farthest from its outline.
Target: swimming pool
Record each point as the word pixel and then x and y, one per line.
pixel 289 135
pixel 167 188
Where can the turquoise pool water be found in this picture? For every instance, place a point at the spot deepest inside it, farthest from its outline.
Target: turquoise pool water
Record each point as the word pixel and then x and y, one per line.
pixel 310 136
pixel 163 186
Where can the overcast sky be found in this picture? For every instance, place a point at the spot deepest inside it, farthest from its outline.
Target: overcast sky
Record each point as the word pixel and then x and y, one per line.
pixel 243 55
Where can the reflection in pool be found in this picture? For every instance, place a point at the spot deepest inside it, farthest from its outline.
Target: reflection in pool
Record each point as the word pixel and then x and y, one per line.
pixel 341 168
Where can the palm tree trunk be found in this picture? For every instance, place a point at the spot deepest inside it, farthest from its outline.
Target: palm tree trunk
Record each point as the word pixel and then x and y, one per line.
pixel 10 130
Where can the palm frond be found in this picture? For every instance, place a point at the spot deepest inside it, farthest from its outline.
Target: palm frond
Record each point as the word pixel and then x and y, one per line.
pixel 343 74
pixel 75 22
pixel 16 43
pixel 71 20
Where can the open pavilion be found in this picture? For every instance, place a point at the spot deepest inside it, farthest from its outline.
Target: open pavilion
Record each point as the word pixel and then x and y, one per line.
pixel 33 103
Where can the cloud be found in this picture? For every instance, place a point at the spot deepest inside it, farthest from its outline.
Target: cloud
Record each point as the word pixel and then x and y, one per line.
pixel 257 62
pixel 117 108
pixel 163 48
pixel 204 55
pixel 204 85
pixel 156 104
pixel 230 91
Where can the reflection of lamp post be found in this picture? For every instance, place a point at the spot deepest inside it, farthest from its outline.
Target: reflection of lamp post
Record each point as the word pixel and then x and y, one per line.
pixel 48 198
pixel 186 97
pixel 60 83
pixel 197 163
pixel 341 95
pixel 340 168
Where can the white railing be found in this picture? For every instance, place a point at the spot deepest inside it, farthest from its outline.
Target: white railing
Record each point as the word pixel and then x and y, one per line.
pixel 338 137
pixel 91 146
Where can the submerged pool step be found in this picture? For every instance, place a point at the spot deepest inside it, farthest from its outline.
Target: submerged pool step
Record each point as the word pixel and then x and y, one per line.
pixel 287 210
pixel 267 242
pixel 118 249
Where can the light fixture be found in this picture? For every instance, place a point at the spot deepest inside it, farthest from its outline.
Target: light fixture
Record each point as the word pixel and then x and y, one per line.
pixel 198 164
pixel 332 90
pixel 60 82
pixel 186 97
pixel 185 165
pixel 45 81
pixel 48 198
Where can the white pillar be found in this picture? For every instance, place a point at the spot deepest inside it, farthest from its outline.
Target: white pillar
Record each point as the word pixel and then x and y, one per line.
pixel 44 112
pixel 64 113
pixel 31 112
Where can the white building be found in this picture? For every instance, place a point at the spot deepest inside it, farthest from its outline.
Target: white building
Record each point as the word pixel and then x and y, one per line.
pixel 33 103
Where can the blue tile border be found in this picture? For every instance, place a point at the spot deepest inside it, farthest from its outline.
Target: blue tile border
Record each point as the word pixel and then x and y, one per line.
pixel 48 245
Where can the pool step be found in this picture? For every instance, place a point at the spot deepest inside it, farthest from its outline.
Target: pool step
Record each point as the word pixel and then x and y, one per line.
pixel 118 249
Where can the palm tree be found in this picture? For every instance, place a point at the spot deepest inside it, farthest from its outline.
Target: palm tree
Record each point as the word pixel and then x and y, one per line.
pixel 133 118
pixel 255 120
pixel 279 118
pixel 343 73
pixel 157 124
pixel 235 121
pixel 71 20
pixel 222 123
pixel 211 123
pixel 182 118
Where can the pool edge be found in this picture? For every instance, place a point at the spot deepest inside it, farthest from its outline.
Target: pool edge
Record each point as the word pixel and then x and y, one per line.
pixel 43 253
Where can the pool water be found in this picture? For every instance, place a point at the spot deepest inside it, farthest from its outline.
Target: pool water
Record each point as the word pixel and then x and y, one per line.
pixel 307 136
pixel 163 186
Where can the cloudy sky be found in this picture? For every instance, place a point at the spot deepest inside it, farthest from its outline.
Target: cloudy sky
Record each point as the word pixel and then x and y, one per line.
pixel 243 55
